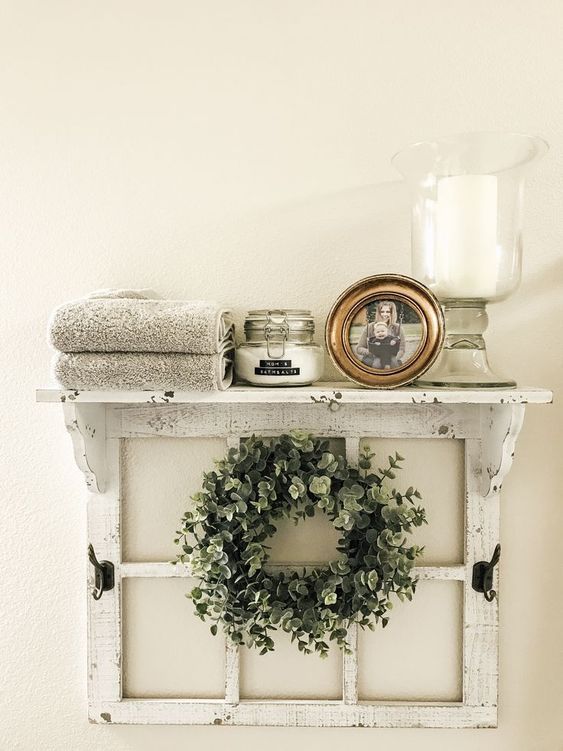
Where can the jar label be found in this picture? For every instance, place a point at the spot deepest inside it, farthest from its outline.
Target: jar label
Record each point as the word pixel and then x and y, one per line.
pixel 276 368
pixel 275 363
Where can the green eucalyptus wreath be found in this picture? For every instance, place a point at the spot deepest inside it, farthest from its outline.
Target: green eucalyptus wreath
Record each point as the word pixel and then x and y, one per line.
pixel 224 541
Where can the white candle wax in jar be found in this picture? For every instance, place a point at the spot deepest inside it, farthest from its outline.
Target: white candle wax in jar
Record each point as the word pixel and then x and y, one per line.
pixel 466 263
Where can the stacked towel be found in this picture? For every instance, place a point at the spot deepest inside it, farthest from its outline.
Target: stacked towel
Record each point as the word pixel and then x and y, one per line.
pixel 129 339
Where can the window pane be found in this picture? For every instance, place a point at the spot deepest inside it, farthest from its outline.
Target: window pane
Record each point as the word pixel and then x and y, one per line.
pixel 167 651
pixel 418 656
pixel 436 468
pixel 158 477
pixel 286 673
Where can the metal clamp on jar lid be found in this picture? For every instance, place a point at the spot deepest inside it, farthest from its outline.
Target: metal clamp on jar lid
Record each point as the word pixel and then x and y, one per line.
pixel 275 328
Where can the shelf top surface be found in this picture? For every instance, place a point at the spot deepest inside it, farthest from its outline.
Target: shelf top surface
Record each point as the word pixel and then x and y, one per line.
pixel 322 392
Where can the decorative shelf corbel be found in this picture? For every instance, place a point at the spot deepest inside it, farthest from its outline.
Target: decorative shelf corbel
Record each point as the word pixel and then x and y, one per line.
pixel 86 424
pixel 501 425
pixel 501 415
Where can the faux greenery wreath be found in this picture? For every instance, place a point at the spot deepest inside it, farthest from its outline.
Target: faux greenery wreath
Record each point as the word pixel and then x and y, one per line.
pixel 224 540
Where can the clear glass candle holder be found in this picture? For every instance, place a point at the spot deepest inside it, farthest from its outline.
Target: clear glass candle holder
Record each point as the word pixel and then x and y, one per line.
pixel 467 193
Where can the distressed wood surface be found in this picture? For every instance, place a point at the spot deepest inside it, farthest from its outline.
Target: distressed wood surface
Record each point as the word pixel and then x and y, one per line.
pixel 500 428
pixel 165 570
pixel 488 421
pixel 292 714
pixel 350 420
pixel 232 652
pixel 350 667
pixel 232 673
pixel 86 425
pixel 104 615
pixel 480 618
pixel 327 393
pixel 350 657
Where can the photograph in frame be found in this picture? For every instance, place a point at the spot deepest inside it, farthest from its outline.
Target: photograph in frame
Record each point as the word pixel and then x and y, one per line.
pixel 385 331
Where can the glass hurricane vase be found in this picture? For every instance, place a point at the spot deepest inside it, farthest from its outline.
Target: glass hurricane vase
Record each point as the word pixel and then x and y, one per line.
pixel 467 195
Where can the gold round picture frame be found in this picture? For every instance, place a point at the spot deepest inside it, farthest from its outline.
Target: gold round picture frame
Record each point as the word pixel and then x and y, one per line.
pixel 368 339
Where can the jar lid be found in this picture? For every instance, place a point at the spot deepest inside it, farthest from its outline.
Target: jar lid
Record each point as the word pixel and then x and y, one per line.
pixel 292 320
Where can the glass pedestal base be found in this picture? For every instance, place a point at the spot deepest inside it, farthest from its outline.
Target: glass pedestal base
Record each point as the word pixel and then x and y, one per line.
pixel 463 362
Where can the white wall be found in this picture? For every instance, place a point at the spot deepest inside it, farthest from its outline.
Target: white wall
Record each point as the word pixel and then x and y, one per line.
pixel 240 150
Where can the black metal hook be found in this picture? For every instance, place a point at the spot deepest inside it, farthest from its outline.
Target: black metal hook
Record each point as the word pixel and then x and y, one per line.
pixel 104 578
pixel 482 580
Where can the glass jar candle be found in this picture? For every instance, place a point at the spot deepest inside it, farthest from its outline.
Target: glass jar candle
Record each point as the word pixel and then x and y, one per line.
pixel 279 349
pixel 467 238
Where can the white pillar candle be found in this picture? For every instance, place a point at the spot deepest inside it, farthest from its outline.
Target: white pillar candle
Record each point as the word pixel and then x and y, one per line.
pixel 466 237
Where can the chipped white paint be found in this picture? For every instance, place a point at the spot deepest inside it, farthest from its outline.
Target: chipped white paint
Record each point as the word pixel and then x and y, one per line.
pixel 327 393
pixel 232 673
pixel 232 653
pixel 339 410
pixel 501 425
pixel 294 714
pixel 86 425
pixel 480 618
pixel 171 570
pixel 349 421
pixel 350 658
pixel 350 667
pixel 104 615
pixel 488 421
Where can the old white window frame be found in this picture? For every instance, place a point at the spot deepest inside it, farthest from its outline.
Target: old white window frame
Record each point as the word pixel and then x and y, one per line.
pixel 488 421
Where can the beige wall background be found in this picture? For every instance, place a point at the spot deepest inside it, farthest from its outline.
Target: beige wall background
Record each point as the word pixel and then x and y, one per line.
pixel 239 150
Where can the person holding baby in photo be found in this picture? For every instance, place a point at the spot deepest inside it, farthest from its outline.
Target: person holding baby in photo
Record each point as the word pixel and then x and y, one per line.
pixel 382 342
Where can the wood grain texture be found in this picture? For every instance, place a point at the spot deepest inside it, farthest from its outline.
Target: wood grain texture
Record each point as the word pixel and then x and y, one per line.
pixel 86 425
pixel 166 570
pixel 440 421
pixel 480 618
pixel 350 658
pixel 104 615
pixel 501 427
pixel 488 422
pixel 322 392
pixel 292 714
pixel 232 652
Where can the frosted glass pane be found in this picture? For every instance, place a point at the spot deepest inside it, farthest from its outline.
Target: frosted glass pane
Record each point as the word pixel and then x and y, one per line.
pixel 167 651
pixel 418 657
pixel 436 468
pixel 286 673
pixel 158 477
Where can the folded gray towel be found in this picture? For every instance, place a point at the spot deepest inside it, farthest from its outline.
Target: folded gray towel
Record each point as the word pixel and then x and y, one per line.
pixel 117 323
pixel 149 294
pixel 107 371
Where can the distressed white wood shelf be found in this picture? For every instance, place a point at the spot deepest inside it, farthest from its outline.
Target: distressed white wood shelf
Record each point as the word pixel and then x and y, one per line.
pixel 327 392
pixel 488 421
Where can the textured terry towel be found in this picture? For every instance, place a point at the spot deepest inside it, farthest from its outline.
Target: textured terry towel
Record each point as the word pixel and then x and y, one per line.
pixel 97 371
pixel 124 292
pixel 117 323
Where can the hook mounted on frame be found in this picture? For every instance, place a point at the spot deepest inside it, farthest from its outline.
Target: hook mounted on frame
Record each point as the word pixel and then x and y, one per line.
pixel 104 578
pixel 482 580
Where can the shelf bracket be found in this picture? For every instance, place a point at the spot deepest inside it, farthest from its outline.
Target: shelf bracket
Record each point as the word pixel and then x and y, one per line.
pixel 501 425
pixel 86 424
